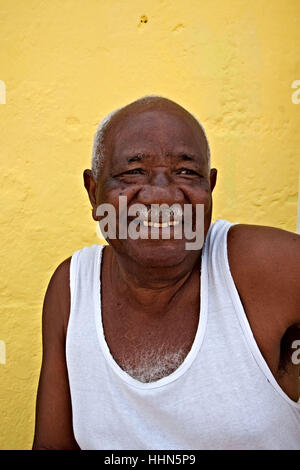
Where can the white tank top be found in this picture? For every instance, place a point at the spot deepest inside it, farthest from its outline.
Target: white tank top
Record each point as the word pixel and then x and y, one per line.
pixel 223 396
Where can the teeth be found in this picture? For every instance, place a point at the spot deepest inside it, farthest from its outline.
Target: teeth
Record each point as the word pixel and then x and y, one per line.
pixel 162 225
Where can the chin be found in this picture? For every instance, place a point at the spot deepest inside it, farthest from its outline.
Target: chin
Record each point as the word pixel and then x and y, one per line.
pixel 158 253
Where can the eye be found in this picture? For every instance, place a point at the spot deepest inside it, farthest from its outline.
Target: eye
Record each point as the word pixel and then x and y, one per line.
pixel 187 171
pixel 134 171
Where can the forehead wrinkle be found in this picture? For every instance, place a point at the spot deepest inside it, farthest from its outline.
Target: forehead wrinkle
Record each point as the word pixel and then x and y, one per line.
pixel 182 156
pixel 116 125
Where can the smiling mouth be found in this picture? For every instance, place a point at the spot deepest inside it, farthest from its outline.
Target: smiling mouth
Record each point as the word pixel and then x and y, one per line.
pixel 159 218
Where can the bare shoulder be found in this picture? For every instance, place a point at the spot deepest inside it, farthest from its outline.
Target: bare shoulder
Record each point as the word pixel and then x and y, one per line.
pixel 245 233
pixel 62 272
pixel 57 297
pixel 266 260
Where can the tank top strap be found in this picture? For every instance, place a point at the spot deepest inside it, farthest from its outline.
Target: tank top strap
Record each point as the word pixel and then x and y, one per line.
pixel 83 268
pixel 216 263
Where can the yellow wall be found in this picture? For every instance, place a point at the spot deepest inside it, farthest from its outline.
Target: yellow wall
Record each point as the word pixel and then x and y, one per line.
pixel 65 64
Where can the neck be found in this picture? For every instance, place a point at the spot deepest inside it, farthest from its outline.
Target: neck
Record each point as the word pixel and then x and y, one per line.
pixel 149 288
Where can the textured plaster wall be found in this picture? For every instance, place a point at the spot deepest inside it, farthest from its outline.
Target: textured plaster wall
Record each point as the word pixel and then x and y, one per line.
pixel 64 64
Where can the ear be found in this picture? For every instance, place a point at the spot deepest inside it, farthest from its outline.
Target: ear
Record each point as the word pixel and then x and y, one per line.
pixel 213 178
pixel 91 187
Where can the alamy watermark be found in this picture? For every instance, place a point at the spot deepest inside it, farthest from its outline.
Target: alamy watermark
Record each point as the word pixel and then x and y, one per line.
pixel 159 221
pixel 2 352
pixel 296 94
pixel 296 354
pixel 2 92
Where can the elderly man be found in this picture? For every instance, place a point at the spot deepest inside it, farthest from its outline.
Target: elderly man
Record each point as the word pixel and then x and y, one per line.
pixel 150 345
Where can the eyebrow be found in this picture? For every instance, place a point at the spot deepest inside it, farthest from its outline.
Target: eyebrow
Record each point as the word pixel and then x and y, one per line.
pixel 137 158
pixel 186 157
pixel 182 156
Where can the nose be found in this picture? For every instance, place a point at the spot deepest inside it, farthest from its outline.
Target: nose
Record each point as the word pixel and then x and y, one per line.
pixel 160 190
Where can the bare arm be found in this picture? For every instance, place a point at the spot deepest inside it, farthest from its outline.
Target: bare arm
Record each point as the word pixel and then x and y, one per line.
pixel 53 424
pixel 267 260
pixel 265 263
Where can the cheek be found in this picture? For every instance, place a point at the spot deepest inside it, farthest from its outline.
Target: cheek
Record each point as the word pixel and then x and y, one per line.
pixel 199 194
pixel 112 196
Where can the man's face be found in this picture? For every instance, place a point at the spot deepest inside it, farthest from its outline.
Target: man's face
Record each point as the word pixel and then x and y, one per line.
pixel 156 156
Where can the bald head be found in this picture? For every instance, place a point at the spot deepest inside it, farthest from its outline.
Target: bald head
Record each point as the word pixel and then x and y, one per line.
pixel 145 104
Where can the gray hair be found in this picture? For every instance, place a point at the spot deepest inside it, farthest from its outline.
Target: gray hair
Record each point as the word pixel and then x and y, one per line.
pixel 98 145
